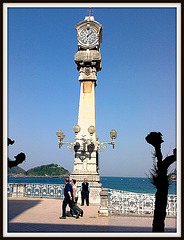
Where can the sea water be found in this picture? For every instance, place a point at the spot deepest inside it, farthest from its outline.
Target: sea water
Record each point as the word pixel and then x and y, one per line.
pixel 130 184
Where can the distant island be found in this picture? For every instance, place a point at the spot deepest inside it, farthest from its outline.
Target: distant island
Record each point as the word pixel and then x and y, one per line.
pixel 50 170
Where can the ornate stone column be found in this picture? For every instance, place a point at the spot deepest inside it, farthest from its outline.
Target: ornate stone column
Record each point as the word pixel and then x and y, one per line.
pixel 88 61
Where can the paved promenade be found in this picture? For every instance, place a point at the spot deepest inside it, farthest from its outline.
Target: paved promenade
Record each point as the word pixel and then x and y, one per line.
pixel 39 215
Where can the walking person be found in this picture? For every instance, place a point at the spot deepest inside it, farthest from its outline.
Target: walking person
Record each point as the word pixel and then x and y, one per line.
pixel 85 189
pixel 68 194
pixel 75 197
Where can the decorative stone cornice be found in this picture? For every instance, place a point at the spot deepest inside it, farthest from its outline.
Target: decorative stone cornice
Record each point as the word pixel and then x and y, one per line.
pixel 88 59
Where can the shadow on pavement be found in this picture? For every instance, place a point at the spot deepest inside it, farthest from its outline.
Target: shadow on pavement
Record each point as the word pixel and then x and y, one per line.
pixel 16 207
pixel 41 228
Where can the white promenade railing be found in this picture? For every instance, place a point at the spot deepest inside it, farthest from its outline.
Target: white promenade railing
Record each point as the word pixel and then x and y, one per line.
pixel 119 202
pixel 122 202
pixel 36 190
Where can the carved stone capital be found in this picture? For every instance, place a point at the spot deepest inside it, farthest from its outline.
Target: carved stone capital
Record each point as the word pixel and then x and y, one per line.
pixel 88 74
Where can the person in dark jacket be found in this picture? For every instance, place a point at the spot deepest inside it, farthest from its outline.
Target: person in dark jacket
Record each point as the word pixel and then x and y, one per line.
pixel 85 189
pixel 68 194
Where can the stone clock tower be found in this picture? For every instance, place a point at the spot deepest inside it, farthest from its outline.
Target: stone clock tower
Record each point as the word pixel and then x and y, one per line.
pixel 88 61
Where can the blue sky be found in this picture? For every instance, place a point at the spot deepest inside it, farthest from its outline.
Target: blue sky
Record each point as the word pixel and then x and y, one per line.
pixel 136 91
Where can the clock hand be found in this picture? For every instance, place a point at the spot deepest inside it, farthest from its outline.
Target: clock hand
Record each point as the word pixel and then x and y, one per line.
pixel 89 34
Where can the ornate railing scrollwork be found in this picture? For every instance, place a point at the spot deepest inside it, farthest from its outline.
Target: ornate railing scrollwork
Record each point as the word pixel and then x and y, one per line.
pixel 119 202
pixel 122 202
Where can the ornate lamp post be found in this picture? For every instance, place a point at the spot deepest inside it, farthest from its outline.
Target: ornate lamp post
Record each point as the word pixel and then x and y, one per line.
pixel 85 149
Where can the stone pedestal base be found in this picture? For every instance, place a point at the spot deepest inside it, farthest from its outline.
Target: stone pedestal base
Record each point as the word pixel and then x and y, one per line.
pixel 95 186
pixel 103 211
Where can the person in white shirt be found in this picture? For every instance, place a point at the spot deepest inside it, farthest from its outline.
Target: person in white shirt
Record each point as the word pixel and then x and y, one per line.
pixel 75 199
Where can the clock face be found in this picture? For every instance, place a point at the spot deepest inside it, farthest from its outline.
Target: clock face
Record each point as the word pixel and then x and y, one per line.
pixel 88 36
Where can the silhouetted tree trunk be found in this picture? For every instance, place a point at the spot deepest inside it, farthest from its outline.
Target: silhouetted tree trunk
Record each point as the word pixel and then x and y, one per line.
pixel 160 180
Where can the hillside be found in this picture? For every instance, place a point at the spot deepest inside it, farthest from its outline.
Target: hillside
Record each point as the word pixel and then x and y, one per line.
pixel 15 170
pixel 47 170
pixel 50 170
